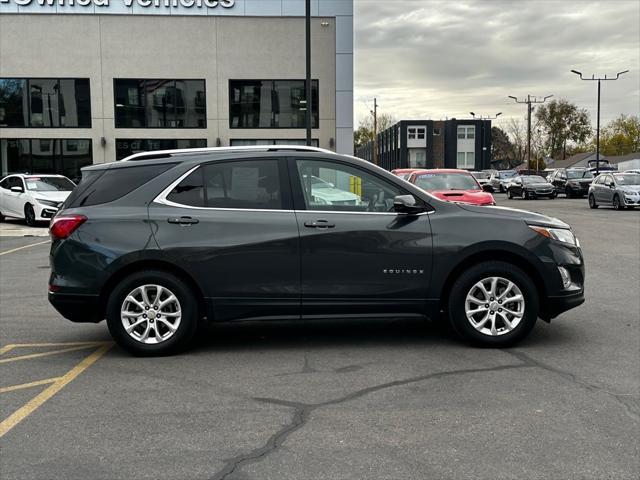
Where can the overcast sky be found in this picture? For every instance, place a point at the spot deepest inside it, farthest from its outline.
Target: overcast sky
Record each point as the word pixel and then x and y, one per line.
pixel 436 59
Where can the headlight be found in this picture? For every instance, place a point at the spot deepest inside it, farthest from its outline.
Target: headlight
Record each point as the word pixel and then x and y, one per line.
pixel 48 203
pixel 563 235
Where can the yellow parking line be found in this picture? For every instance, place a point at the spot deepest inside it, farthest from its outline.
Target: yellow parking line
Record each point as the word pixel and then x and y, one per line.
pixel 44 354
pixel 29 385
pixel 23 412
pixel 22 248
pixel 11 346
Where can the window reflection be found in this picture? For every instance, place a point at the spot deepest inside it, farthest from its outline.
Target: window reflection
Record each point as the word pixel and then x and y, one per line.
pixel 45 155
pixel 45 102
pixel 271 103
pixel 160 103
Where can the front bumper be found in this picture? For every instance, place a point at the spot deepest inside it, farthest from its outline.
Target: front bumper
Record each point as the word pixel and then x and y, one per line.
pixel 555 305
pixel 631 200
pixel 76 307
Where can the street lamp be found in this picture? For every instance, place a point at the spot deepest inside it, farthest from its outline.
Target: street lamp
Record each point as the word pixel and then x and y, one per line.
pixel 599 79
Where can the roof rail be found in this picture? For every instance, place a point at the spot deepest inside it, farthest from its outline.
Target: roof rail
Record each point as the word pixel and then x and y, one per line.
pixel 249 148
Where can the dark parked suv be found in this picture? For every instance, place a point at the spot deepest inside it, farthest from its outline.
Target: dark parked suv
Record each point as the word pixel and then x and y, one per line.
pixel 165 240
pixel 573 182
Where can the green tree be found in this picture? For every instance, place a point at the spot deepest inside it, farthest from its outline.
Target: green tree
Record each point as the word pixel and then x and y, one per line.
pixel 562 123
pixel 364 133
pixel 502 150
pixel 621 136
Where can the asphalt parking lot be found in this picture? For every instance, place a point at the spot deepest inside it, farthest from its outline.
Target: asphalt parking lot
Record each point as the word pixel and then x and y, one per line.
pixel 395 399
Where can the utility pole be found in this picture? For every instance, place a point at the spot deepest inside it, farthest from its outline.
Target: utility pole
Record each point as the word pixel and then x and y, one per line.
pixel 598 79
pixel 374 112
pixel 529 101
pixel 309 102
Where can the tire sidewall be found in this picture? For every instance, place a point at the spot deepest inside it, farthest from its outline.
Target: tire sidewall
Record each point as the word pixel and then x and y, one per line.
pixel 592 201
pixel 470 277
pixel 29 208
pixel 188 306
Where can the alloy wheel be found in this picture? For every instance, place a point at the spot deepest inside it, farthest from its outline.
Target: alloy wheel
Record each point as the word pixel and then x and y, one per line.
pixel 151 314
pixel 494 306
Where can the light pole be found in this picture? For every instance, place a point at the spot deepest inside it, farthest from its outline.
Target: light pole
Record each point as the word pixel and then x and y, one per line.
pixel 374 112
pixel 529 101
pixel 599 79
pixel 308 72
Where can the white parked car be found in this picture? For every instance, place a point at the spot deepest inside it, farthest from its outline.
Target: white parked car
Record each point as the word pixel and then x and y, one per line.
pixel 326 193
pixel 34 198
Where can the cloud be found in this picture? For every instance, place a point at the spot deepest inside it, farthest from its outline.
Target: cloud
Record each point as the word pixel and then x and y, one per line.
pixel 437 59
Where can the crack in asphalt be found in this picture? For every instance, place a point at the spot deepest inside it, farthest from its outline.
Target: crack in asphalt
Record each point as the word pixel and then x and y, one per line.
pixel 302 411
pixel 629 404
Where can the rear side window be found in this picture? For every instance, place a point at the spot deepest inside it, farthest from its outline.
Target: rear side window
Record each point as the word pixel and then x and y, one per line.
pixel 240 185
pixel 104 186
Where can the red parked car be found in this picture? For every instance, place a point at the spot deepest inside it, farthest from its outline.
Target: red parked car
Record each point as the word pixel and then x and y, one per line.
pixel 452 185
pixel 404 173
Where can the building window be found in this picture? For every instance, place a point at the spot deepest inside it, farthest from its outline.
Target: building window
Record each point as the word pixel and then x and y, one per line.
pixel 45 155
pixel 45 102
pixel 466 160
pixel 160 103
pixel 244 142
pixel 467 132
pixel 416 133
pixel 436 132
pixel 128 146
pixel 271 104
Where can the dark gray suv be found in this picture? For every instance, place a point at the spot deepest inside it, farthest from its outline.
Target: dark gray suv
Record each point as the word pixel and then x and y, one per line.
pixel 163 241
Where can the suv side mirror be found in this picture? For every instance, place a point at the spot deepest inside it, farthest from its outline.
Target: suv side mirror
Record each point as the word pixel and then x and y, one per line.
pixel 17 189
pixel 487 188
pixel 406 204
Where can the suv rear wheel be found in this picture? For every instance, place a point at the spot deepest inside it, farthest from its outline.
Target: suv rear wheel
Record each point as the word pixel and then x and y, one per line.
pixel 493 304
pixel 152 313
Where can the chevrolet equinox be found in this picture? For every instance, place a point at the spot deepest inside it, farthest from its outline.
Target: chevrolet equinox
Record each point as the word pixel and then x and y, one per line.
pixel 163 241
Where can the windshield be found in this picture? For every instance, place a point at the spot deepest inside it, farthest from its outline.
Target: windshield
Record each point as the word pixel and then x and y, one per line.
pixel 320 183
pixel 507 174
pixel 481 175
pixel 447 181
pixel 579 174
pixel 533 179
pixel 49 184
pixel 627 179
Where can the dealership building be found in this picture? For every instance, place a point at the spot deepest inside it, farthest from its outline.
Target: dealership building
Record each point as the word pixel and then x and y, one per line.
pixel 92 81
pixel 453 143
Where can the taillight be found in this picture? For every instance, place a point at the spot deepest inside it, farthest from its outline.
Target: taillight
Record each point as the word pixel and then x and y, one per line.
pixel 62 227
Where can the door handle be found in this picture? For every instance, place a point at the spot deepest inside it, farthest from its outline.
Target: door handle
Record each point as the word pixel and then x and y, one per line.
pixel 322 224
pixel 183 220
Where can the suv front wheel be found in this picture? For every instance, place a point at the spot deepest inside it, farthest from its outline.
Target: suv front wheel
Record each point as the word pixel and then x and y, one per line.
pixel 493 304
pixel 152 313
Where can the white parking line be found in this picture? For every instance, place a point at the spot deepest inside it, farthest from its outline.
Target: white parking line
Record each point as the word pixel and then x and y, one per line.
pixel 22 248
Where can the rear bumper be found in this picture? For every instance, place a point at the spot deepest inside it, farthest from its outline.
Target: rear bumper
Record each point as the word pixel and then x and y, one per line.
pixel 77 308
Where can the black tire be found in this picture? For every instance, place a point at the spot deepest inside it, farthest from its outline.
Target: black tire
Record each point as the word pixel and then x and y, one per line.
pixel 2 217
pixel 592 201
pixel 188 306
pixel 568 192
pixel 617 204
pixel 501 189
pixel 509 194
pixel 524 195
pixel 463 285
pixel 553 195
pixel 29 215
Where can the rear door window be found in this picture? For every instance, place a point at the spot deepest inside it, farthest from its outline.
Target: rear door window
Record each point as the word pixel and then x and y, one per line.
pixel 251 184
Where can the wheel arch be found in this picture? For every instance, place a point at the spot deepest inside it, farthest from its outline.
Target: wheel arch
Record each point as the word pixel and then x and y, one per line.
pixel 495 254
pixel 150 264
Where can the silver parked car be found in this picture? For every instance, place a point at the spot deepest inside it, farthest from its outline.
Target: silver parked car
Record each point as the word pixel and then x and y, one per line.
pixel 617 189
pixel 499 179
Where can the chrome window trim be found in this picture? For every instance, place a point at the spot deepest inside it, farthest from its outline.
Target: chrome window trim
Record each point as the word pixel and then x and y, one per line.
pixel 161 199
